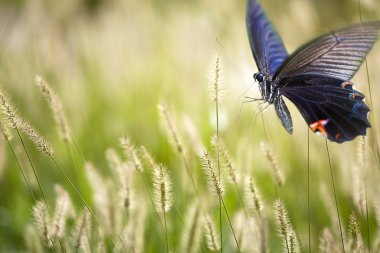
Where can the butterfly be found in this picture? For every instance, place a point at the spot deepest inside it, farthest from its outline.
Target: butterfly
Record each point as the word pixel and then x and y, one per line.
pixel 315 78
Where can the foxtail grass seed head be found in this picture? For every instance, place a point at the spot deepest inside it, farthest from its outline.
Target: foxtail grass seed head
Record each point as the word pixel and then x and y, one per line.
pixel 100 189
pixel 355 240
pixel 216 89
pixel 42 222
pixel 19 123
pixel 285 228
pixel 279 177
pixel 133 233
pixel 39 141
pixel 147 158
pixel 215 184
pixel 240 221
pixel 4 131
pixel 328 201
pixel 63 209
pixel 162 193
pixel 55 105
pixel 113 159
pixel 328 243
pixel 211 235
pixel 82 229
pixel 168 124
pixel 219 146
pixel 192 133
pixel 131 153
pixel 191 235
pixel 362 151
pixel 32 241
pixel 125 177
pixel 377 212
pixel 252 196
pixel 8 110
pixel 358 189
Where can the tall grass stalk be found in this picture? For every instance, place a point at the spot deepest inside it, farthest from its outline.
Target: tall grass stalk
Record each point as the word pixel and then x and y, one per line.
pixel 84 202
pixel 215 185
pixel 252 196
pixel 216 97
pixel 221 150
pixel 374 133
pixel 162 195
pixel 355 241
pixel 41 144
pixel 56 107
pixel 360 184
pixel 173 136
pixel 335 197
pixel 211 236
pixel 7 136
pixel 192 228
pixel 130 152
pixel 308 188
pixel 285 228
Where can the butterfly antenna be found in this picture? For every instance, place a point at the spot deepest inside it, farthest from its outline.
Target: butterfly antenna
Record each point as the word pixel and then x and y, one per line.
pixel 245 92
pixel 231 51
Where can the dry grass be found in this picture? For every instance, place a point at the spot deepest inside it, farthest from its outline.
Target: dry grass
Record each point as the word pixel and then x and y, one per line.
pixel 107 72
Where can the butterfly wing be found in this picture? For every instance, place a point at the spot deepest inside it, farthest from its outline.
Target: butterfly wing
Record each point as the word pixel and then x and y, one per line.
pixel 266 45
pixel 330 107
pixel 316 79
pixel 337 55
pixel 283 114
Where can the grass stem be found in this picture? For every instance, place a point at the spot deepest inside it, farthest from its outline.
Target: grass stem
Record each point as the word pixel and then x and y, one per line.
pixel 230 223
pixel 335 197
pixel 308 186
pixel 166 233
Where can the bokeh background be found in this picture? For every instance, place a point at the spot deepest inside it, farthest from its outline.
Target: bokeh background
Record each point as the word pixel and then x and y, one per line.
pixel 112 62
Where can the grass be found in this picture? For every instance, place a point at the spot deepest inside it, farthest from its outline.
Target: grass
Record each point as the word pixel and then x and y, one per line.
pixel 123 101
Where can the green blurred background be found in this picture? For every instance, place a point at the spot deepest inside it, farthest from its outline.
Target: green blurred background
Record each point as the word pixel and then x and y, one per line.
pixel 112 61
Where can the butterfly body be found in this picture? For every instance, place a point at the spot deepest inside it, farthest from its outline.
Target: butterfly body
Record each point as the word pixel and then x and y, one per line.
pixel 315 78
pixel 268 90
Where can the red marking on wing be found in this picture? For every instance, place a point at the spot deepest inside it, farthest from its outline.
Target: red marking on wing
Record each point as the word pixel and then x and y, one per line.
pixel 355 95
pixel 337 136
pixel 319 127
pixel 347 83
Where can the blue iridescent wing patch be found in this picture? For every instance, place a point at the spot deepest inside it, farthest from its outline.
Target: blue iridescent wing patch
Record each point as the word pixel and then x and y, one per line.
pixel 266 45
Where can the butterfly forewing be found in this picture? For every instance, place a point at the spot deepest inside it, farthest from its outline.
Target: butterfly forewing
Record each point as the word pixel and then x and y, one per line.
pixel 267 47
pixel 336 55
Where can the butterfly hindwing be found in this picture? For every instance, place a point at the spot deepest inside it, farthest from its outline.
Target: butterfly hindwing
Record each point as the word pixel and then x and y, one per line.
pixel 283 114
pixel 329 106
pixel 266 45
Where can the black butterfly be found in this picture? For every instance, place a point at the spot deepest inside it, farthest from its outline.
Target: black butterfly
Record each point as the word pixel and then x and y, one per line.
pixel 316 77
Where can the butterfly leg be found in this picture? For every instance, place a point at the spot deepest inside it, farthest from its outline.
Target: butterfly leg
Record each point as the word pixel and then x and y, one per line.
pixel 251 99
